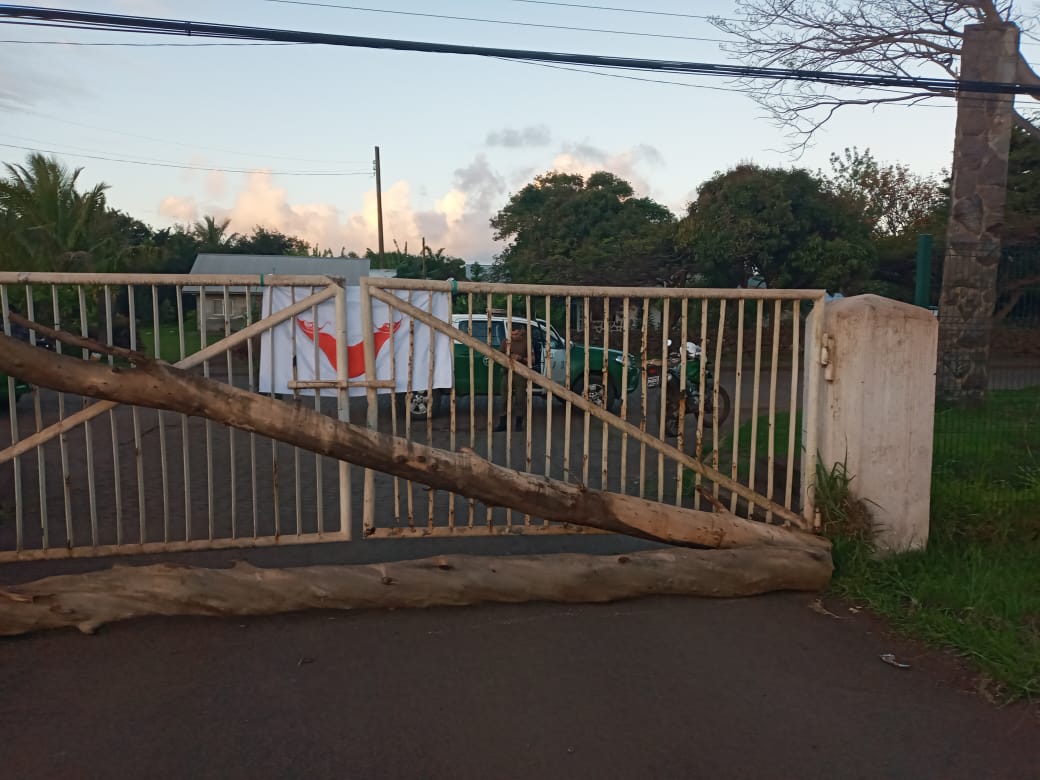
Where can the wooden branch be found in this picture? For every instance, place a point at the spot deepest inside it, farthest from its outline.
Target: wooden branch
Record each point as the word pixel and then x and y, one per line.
pixel 79 341
pixel 160 386
pixel 90 600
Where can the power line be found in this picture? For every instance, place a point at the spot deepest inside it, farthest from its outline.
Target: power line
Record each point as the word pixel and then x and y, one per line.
pixel 615 8
pixel 498 21
pixel 145 45
pixel 47 16
pixel 160 164
pixel 197 147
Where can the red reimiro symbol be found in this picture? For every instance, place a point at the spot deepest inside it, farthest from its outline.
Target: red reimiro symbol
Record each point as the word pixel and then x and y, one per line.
pixel 355 352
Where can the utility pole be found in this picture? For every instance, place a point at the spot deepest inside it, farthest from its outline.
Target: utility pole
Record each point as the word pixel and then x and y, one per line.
pixel 379 204
pixel 980 162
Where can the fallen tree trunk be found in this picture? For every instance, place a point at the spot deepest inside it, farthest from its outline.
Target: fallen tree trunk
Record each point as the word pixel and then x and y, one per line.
pixel 88 601
pixel 160 386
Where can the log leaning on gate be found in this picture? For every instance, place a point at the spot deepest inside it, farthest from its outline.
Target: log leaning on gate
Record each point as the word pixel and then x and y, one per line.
pixel 157 385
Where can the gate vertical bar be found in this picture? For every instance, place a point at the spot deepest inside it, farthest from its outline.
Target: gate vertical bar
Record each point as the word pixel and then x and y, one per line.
pixel 13 417
pixel 586 306
pixel 472 395
pixel 41 460
pixel 203 324
pixel 157 354
pixel 343 407
pixel 737 403
pixel 490 400
pixel 136 418
pixel 793 413
pixel 663 415
pixel 529 395
pixel 252 435
pixel 550 399
pixel 184 418
pixel 297 495
pixel 117 482
pixel 753 455
pixel 88 430
pixel 812 416
pixel 319 497
pixel 605 379
pixel 771 447
pixel 63 438
pixel 233 466
pixel 371 396
pixel 567 406
pixel 431 493
pixel 642 420
pixel 508 391
pixel 680 434
pixel 702 379
pixel 715 393
pixel 623 477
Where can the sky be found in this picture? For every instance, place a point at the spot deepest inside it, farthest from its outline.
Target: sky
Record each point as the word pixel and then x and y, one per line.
pixel 457 135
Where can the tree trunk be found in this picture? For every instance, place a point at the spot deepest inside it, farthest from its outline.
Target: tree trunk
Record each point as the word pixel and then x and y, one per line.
pixel 160 386
pixel 90 600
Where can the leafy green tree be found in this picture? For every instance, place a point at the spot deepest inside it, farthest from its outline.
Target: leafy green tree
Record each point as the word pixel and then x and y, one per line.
pixel 784 226
pixel 563 228
pixel 1022 217
pixel 897 205
pixel 264 241
pixel 50 225
pixel 428 264
pixel 213 236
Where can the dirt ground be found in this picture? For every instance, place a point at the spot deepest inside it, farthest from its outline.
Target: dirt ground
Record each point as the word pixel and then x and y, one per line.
pixel 653 688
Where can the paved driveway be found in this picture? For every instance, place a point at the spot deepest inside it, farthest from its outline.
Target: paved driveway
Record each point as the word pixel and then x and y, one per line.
pixel 654 688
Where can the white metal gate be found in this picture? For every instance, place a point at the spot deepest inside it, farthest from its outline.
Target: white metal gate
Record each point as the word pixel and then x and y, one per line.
pixel 139 480
pixel 85 478
pixel 588 399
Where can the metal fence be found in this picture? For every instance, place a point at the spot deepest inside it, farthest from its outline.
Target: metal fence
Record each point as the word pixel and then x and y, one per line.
pixel 597 407
pixel 987 449
pixel 86 478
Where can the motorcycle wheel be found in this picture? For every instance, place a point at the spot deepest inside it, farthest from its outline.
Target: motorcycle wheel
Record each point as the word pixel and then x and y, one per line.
pixel 671 426
pixel 725 406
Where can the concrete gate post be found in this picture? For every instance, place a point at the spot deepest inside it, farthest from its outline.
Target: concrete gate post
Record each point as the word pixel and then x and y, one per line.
pixel 877 410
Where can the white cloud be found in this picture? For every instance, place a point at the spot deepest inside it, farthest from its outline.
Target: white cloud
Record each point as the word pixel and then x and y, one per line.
pixel 452 223
pixel 585 159
pixel 181 210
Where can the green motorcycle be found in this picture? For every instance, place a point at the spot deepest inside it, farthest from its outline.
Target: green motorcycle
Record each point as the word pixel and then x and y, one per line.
pixel 671 375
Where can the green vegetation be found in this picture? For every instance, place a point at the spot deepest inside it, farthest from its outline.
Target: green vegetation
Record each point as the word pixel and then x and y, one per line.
pixel 976 589
pixel 169 340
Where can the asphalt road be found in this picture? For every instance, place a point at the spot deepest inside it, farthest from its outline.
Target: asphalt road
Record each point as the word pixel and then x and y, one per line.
pixel 653 688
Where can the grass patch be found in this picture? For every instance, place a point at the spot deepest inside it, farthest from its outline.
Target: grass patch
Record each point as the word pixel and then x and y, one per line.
pixel 781 438
pixel 976 588
pixel 169 340
pixel 979 599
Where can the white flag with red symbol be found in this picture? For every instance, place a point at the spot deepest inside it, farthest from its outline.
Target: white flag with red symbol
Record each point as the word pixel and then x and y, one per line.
pixel 288 350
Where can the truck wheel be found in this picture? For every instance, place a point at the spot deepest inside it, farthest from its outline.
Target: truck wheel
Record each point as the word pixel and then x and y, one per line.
pixel 422 404
pixel 601 393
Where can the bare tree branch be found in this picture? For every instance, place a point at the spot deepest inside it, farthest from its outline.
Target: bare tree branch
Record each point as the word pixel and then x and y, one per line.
pixel 878 37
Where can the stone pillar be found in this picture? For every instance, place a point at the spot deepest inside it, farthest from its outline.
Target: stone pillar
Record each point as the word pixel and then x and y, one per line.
pixel 877 410
pixel 980 160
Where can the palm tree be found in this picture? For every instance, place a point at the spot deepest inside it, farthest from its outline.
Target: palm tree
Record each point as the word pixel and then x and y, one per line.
pixel 51 225
pixel 213 235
